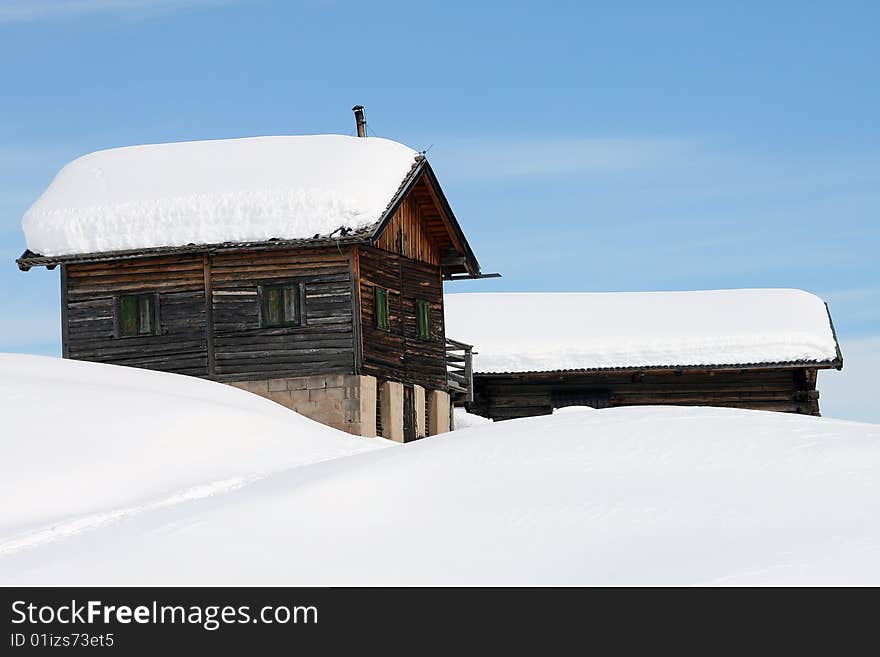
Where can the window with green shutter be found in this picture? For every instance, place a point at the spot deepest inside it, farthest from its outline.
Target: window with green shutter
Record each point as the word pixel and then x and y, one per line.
pixel 423 319
pixel 281 305
pixel 382 309
pixel 136 315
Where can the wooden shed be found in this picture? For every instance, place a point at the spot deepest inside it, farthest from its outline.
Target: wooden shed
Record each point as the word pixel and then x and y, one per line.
pixel 306 269
pixel 755 349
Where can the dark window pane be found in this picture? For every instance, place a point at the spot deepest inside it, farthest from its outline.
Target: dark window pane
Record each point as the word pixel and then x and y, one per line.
pixel 128 315
pixel 281 305
pixel 137 314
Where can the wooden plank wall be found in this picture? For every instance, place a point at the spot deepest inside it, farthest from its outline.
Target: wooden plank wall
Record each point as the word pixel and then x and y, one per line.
pixel 791 390
pixel 242 349
pixel 407 234
pixel 245 351
pixel 398 354
pixel 181 346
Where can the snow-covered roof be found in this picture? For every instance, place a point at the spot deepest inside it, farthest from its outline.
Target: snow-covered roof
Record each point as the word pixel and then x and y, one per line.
pixel 212 192
pixel 539 332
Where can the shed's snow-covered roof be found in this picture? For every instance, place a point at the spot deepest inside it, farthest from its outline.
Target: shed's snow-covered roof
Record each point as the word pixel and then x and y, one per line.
pixel 539 332
pixel 211 192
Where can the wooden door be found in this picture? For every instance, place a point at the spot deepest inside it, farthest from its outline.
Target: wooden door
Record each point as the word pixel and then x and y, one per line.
pixel 409 414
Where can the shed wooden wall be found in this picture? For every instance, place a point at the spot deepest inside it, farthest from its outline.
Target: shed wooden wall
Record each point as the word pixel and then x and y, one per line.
pixel 90 308
pixel 398 354
pixel 241 348
pixel 791 390
pixel 324 344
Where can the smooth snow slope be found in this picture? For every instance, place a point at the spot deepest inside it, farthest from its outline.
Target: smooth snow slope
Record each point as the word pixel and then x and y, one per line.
pixel 524 332
pixel 209 192
pixel 622 496
pixel 85 442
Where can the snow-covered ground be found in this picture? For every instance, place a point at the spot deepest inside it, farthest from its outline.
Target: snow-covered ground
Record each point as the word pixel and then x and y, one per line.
pixel 84 443
pixel 656 495
pixel 465 420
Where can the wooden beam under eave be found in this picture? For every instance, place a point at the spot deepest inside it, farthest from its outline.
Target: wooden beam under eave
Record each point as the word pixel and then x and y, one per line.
pixel 446 221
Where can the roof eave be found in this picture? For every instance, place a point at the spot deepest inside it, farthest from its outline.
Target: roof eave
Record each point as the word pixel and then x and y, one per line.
pixel 29 259
pixel 835 363
pixel 420 167
pixel 839 359
pixel 471 263
pixel 423 167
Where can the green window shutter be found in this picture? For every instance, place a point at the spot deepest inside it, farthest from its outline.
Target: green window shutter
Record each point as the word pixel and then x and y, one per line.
pixel 423 319
pixel 128 315
pixel 291 304
pixel 382 308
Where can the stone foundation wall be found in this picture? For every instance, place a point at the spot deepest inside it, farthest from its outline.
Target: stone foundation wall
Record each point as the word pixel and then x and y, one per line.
pixel 342 401
pixel 348 402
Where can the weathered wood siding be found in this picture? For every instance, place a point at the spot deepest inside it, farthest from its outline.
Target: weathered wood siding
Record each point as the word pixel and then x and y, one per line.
pixel 398 354
pixel 181 345
pixel 208 306
pixel 407 234
pixel 324 344
pixel 792 390
pixel 240 349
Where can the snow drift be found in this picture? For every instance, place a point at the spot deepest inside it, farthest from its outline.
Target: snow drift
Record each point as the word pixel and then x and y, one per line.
pixel 210 192
pixel 621 496
pixel 524 332
pixel 85 442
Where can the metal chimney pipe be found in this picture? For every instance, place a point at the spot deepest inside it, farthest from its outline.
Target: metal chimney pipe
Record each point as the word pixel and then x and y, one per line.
pixel 360 119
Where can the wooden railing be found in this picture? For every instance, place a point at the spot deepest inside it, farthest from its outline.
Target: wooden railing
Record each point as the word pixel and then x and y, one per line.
pixel 460 370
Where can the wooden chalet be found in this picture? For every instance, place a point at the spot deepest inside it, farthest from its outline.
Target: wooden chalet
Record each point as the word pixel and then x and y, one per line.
pixel 345 326
pixel 310 270
pixel 753 349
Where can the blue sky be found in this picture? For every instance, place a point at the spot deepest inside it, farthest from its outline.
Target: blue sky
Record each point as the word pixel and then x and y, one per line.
pixel 583 145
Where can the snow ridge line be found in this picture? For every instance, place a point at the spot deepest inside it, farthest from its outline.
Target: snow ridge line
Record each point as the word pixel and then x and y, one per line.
pixel 68 528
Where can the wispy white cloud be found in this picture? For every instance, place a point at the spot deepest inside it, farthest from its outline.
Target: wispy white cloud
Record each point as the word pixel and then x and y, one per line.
pixel 35 10
pixel 678 167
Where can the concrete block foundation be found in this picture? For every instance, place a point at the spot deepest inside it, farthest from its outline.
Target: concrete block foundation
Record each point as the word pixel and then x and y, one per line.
pixel 438 412
pixel 391 410
pixel 419 405
pixel 348 402
pixel 342 401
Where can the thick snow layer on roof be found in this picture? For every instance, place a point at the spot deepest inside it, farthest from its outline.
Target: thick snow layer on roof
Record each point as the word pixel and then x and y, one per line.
pixel 533 332
pixel 209 192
